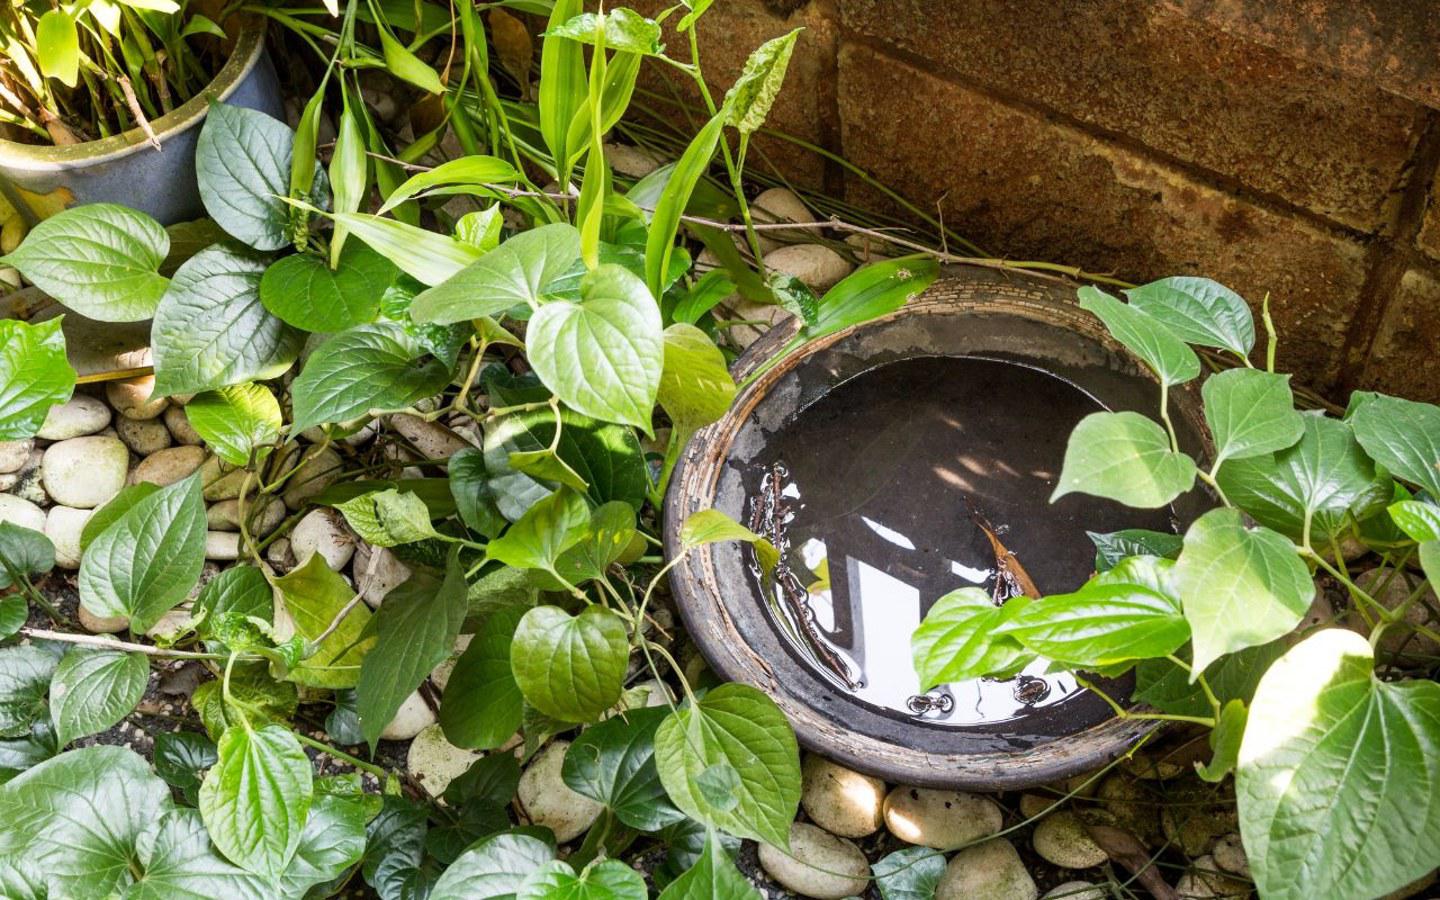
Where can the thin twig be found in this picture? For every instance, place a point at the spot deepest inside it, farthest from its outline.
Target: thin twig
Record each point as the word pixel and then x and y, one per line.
pixel 93 640
pixel 134 103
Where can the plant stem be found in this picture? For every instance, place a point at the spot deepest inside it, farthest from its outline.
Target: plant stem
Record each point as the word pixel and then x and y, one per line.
pixel 362 765
pixel 95 640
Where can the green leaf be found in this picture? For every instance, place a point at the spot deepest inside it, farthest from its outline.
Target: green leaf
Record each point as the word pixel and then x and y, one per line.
pixel 1100 625
pixel 1403 436
pixel 415 629
pixel 548 529
pixel 25 673
pixel 563 86
pixel 406 66
pixel 25 551
pixel 34 375
pixel 79 818
pixel 474 496
pixel 426 256
pixel 349 175
pixel 482 228
pixel 871 292
pixel 1172 361
pixel 665 222
pixel 1115 546
pixel 94 689
pixel 367 370
pixel 604 355
pixel 235 420
pixel 1338 779
pixel 14 613
pixel 148 560
pixel 910 874
pixel 313 595
pixel 242 162
pixel 182 757
pixel 302 290
pixel 695 386
pixel 57 46
pixel 1322 481
pixel 1126 457
pixel 176 861
pixel 571 668
pixel 482 706
pixel 738 726
pixel 256 797
pixel 603 879
pixel 1250 412
pixel 495 867
pixel 611 532
pixel 613 763
pixel 334 837
pixel 388 518
pixel 1239 586
pixel 211 330
pixel 453 177
pixel 117 506
pixel 958 639
pixel 749 99
pixel 1198 311
pixel 622 29
pixel 1419 520
pixel 513 275
pixel 1167 687
pixel 100 260
pixel 712 877
pixel 1225 742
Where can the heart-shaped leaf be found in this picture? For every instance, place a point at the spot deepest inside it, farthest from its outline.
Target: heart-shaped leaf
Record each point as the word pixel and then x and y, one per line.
pixel 34 376
pixel 1126 457
pixel 256 797
pixel 313 595
pixel 211 330
pixel 333 839
pixel 177 860
pixel 495 867
pixel 1250 412
pixel 482 705
pixel 910 874
pixel 388 518
pixel 25 674
pixel 1338 778
pixel 713 875
pixel 1172 361
pixel 23 551
pixel 235 420
pixel 570 668
pixel 370 369
pixel 149 558
pixel 1403 436
pixel 603 879
pixel 1100 625
pixel 242 161
pixel 695 387
pixel 958 639
pixel 511 276
pixel 303 291
pixel 736 725
pixel 614 763
pixel 1115 546
pixel 548 529
pixel 1198 311
pixel 604 355
pixel 1240 586
pixel 100 260
pixel 620 29
pixel 94 689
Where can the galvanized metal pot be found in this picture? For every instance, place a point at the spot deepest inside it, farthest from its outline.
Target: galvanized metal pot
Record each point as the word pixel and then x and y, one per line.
pixel 125 168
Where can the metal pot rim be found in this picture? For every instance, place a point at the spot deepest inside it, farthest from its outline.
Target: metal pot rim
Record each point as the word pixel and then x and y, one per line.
pixel 249 44
pixel 708 620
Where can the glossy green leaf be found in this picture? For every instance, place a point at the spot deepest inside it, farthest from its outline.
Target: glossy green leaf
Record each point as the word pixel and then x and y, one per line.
pixel 513 275
pixel 235 420
pixel 211 330
pixel 25 673
pixel 14 613
pixel 738 726
pixel 610 533
pixel 1239 586
pixel 24 551
pixel 613 763
pixel 176 861
pixel 571 668
pixel 1225 742
pixel 415 629
pixel 603 879
pixel 1403 436
pixel 94 689
pixel 34 375
pixel 1115 546
pixel 388 518
pixel 562 85
pixel 749 99
pixel 1198 311
pixel 870 292
pixel 148 559
pixel 621 29
pixel 473 493
pixel 242 161
pixel 406 66
pixel 1167 687
pixel 548 529
pixel 709 526
pixel 100 259
pixel 255 697
pixel 467 171
pixel 911 874
pixel 117 506
pixel 303 291
pixel 958 639
pixel 349 176
pixel 713 876
pixel 695 386
pixel 1318 484
pixel 370 370
pixel 426 256
pixel 1172 361
pixel 665 222
pixel 1250 412
pixel 182 758
pixel 1419 520
pixel 1100 625
pixel 482 705
pixel 57 46
pixel 482 229
pixel 256 797
pixel 495 867
pixel 313 595
pixel 1338 779
pixel 333 839
pixel 79 818
pixel 1126 457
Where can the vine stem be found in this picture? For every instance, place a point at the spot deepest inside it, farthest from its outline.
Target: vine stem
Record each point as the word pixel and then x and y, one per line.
pixel 94 640
pixel 357 762
pixel 1123 713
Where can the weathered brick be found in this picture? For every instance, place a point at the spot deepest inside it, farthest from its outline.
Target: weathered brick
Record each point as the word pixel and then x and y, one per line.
pixel 1029 188
pixel 1272 123
pixel 1403 359
pixel 729 31
pixel 1428 239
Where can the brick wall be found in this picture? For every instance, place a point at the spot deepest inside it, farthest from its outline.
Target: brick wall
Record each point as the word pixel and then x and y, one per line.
pixel 1279 146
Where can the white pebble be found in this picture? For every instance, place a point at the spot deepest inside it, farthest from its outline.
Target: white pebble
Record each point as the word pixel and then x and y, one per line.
pixel 840 800
pixel 264 514
pixel 413 716
pixel 378 571
pixel 1062 839
pixel 180 428
pixel 18 511
pixel 222 545
pixel 133 397
pixel 435 762
pixel 941 819
pixel 314 476
pixel 14 455
pixel 77 417
pixel 143 436
pixel 992 870
pixel 819 864
pixel 323 531
pixel 101 624
pixel 63 526
pixel 433 440
pixel 85 472
pixel 168 466
pixel 545 800
pixel 819 267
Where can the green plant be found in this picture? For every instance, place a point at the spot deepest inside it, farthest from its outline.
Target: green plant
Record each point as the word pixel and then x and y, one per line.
pixel 78 72
pixel 1323 728
pixel 562 343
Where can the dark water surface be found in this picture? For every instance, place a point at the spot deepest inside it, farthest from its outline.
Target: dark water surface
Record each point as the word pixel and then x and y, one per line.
pixel 879 496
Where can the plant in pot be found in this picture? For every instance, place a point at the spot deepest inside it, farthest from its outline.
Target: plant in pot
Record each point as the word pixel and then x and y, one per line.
pixel 102 102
